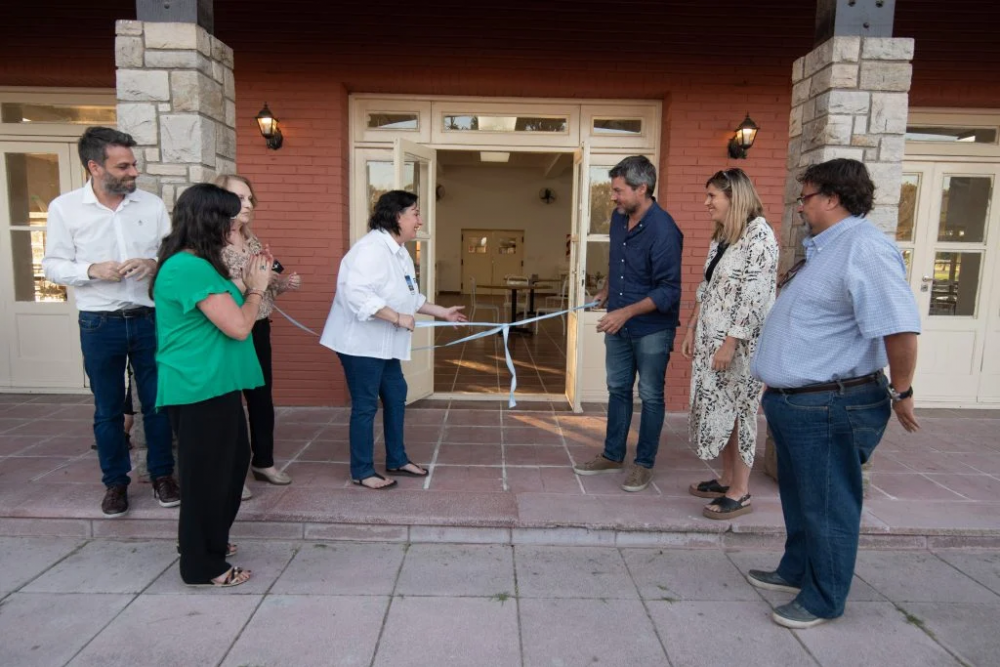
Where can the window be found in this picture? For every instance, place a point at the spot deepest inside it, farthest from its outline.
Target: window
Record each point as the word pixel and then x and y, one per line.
pixel 470 123
pixel 617 126
pixel 969 135
pixel 393 121
pixel 14 112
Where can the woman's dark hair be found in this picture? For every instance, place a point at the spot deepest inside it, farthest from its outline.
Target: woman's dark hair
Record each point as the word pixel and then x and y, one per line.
pixel 848 179
pixel 387 210
pixel 203 216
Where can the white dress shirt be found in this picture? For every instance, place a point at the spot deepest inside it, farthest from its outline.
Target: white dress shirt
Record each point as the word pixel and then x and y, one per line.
pixel 83 231
pixel 375 273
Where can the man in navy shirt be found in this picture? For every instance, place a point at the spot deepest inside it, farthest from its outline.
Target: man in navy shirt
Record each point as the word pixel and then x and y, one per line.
pixel 642 294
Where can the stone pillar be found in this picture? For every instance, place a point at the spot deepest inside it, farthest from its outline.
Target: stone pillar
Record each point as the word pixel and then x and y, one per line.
pixel 177 98
pixel 850 97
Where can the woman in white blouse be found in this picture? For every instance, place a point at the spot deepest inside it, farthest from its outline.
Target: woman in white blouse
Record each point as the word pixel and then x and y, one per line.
pixel 369 327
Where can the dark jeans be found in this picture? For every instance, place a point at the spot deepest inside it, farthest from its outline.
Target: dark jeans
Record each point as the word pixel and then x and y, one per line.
pixel 822 439
pixel 212 458
pixel 624 357
pixel 368 380
pixel 109 343
pixel 260 405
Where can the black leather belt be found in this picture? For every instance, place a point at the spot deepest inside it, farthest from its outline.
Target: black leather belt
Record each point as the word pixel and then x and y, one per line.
pixel 130 313
pixel 830 386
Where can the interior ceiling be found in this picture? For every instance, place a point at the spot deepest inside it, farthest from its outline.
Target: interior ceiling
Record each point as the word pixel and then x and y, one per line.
pixel 555 162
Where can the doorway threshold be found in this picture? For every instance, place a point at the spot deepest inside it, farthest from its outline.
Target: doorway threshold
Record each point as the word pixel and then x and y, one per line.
pixel 475 396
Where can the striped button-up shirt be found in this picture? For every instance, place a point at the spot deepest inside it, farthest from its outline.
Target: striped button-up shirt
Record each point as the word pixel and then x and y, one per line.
pixel 830 320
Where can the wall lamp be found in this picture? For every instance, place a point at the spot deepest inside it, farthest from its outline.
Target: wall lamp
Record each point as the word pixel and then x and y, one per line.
pixel 743 140
pixel 269 128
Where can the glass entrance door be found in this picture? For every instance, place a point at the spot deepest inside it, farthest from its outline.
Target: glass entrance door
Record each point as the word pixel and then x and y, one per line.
pixel 39 337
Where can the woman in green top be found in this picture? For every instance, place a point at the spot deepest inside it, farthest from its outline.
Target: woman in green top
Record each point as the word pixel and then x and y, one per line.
pixel 205 360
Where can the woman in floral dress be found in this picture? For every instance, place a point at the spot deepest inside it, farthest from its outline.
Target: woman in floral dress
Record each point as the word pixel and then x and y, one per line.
pixel 737 292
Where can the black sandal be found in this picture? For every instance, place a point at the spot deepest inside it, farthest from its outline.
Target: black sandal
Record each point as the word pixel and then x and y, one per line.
pixel 728 508
pixel 403 471
pixel 709 489
pixel 360 482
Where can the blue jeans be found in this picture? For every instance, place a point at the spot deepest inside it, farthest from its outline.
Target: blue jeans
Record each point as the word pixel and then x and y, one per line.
pixel 624 356
pixel 821 439
pixel 368 380
pixel 108 343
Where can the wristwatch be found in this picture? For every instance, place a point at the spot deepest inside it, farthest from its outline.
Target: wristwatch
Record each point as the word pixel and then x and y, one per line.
pixel 897 396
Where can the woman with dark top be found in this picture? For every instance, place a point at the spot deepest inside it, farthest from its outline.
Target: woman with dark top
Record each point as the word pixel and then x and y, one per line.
pixel 732 301
pixel 205 361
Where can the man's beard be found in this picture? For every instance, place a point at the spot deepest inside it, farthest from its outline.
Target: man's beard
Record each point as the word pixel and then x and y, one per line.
pixel 117 186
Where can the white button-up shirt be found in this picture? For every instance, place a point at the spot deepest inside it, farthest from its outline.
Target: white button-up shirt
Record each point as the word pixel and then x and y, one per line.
pixel 83 231
pixel 375 273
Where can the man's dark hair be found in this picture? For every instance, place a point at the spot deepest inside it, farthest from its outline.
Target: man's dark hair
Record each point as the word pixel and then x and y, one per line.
pixel 203 216
pixel 93 145
pixel 848 179
pixel 387 210
pixel 636 170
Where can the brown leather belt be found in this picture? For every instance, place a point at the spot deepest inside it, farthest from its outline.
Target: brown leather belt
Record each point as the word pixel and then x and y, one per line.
pixel 830 386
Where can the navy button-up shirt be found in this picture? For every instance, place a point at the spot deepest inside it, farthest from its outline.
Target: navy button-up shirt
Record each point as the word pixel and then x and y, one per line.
pixel 646 261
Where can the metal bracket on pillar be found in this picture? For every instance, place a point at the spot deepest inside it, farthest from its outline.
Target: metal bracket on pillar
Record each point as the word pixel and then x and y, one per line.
pixel 201 12
pixel 853 18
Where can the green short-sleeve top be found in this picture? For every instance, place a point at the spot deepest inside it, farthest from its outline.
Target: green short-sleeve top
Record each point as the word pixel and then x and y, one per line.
pixel 195 360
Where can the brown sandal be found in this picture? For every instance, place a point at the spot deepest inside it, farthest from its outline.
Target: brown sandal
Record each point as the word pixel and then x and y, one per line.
pixel 233 577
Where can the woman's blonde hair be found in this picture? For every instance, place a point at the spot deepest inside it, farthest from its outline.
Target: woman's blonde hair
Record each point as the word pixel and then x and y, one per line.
pixel 223 182
pixel 744 204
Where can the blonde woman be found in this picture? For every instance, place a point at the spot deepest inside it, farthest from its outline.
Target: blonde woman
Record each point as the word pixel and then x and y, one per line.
pixel 242 246
pixel 732 300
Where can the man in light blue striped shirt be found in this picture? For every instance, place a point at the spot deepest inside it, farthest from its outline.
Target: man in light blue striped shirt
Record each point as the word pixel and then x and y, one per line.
pixel 841 316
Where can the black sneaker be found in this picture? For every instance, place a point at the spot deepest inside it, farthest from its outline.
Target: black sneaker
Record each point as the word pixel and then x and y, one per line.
pixel 115 501
pixel 166 492
pixel 795 616
pixel 770 581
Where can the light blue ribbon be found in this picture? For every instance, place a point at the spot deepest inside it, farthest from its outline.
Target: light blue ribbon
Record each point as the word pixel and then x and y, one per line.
pixel 494 328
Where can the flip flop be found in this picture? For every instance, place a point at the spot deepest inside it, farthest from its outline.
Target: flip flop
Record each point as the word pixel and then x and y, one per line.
pixel 360 482
pixel 709 489
pixel 404 471
pixel 728 508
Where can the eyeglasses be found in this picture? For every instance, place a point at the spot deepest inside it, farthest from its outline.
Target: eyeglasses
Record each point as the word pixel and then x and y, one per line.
pixel 804 198
pixel 787 276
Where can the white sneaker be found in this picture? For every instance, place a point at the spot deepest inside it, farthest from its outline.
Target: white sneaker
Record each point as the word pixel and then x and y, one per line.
pixel 247 494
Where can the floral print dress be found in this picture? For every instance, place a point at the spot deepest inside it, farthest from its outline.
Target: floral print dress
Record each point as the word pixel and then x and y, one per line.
pixel 733 303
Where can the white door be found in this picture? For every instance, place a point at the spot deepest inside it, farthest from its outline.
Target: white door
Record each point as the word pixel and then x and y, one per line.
pixel 415 169
pixel 576 288
pixel 39 337
pixel 948 230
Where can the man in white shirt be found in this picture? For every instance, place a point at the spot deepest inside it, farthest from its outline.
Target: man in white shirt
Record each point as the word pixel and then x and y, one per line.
pixel 102 240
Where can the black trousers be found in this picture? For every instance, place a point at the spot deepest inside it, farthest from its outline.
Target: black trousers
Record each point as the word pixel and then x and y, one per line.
pixel 212 460
pixel 260 405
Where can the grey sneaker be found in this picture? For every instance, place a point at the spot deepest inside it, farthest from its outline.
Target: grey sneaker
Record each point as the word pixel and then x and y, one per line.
pixel 770 581
pixel 795 616
pixel 638 479
pixel 597 466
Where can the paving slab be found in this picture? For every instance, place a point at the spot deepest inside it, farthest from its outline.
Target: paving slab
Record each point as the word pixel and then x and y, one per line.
pixel 107 567
pixel 967 630
pixel 457 570
pixel 49 629
pixel 982 566
pixel 267 560
pixel 24 558
pixel 572 572
pixel 342 569
pixel 919 577
pixel 873 633
pixel 310 630
pixel 174 630
pixel 685 574
pixel 421 631
pixel 588 632
pixel 725 633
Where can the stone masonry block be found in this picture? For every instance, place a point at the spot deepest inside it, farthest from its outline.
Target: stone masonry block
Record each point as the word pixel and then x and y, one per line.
pixel 172 36
pixel 225 142
pixel 864 140
pixel 167 170
pixel 818 58
pixel 139 120
pixel 148 183
pixel 884 76
pixel 168 196
pixel 218 71
pixel 846 49
pixel 834 76
pixel 891 148
pixel 193 91
pixel 795 122
pixel 178 60
pixel 204 42
pixel 886 218
pixel 843 102
pixel 142 86
pixel 222 53
pixel 871 154
pixel 229 108
pixel 228 84
pixel 887 48
pixel 809 110
pixel 201 174
pixel 826 131
pixel 124 27
pixel 128 52
pixel 889 111
pixel 860 125
pixel 800 91
pixel 798 69
pixel 223 166
pixel 794 149
pixel 187 138
pixel 152 154
pixel 888 178
pixel 163 107
pixel 829 153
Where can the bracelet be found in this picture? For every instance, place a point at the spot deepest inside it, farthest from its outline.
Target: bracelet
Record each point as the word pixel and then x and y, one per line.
pixel 252 291
pixel 396 323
